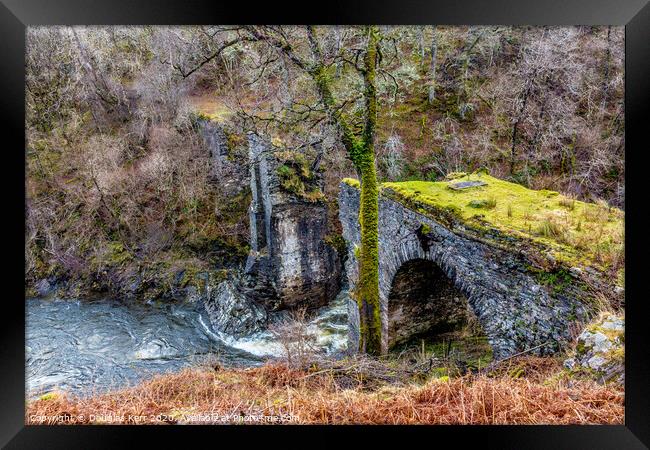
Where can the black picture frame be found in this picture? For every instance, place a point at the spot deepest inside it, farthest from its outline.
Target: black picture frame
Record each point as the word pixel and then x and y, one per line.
pixel 16 15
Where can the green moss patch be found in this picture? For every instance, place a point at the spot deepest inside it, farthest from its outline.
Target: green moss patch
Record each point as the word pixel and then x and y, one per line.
pixel 117 253
pixel 337 242
pixel 483 203
pixel 296 176
pixel 352 182
pixel 584 234
pixel 557 280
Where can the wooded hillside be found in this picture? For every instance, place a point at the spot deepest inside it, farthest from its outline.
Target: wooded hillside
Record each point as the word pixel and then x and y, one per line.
pixel 118 173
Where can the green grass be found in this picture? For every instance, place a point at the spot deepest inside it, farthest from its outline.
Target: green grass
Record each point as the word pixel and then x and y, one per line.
pixel 584 234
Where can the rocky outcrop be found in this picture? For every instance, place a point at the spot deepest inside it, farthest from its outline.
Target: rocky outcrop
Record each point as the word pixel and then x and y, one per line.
pixel 600 350
pixel 516 311
pixel 290 264
pixel 229 175
pixel 233 313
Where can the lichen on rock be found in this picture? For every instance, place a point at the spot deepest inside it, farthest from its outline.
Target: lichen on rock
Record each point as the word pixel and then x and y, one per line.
pixel 600 350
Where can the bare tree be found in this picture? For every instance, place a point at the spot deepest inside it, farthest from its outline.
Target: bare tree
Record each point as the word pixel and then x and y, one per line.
pixel 432 67
pixel 296 338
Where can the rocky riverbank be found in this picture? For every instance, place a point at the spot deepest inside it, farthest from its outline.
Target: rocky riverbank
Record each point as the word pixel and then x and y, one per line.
pixel 290 262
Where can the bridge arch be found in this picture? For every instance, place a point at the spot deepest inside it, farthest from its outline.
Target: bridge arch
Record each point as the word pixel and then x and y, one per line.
pixel 435 270
pixel 514 310
pixel 423 302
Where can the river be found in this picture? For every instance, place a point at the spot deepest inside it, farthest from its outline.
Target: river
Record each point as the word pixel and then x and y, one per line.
pixel 90 346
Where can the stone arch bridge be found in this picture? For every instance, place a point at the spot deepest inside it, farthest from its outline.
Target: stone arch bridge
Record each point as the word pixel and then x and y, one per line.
pixel 515 311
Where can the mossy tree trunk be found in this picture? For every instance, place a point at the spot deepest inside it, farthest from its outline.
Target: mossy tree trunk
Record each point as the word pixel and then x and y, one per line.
pixel 368 290
pixel 361 150
pixel 360 147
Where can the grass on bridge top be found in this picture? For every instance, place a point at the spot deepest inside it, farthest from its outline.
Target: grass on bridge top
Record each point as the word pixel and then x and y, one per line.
pixel 577 232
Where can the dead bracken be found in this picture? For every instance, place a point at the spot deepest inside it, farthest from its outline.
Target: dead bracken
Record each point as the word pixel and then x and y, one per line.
pixel 503 396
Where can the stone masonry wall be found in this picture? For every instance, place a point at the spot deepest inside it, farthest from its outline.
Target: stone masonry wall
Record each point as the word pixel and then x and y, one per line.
pixel 515 311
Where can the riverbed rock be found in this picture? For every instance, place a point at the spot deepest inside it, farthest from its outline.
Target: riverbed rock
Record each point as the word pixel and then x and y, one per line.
pixel 232 312
pixel 600 350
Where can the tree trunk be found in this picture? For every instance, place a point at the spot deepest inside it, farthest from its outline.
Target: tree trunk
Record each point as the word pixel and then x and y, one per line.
pixel 361 151
pixel 338 38
pixel 432 70
pixel 515 127
pixel 421 39
pixel 513 153
pixel 471 40
pixel 286 76
pixel 368 288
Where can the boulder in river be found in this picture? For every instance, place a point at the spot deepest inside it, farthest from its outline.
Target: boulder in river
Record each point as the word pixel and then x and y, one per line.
pixel 232 312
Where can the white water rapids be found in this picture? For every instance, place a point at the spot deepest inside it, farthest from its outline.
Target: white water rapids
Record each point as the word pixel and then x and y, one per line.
pixel 85 346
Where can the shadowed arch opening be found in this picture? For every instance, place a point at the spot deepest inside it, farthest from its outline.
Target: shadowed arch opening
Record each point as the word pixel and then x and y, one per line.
pixel 423 303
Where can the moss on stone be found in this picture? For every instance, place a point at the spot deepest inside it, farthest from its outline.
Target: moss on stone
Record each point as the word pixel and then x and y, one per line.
pixel 199 277
pixel 557 280
pixel 583 235
pixel 613 334
pixel 484 203
pixel 290 180
pixel 352 182
pixel 297 177
pixel 190 276
pixel 337 242
pixel 600 350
